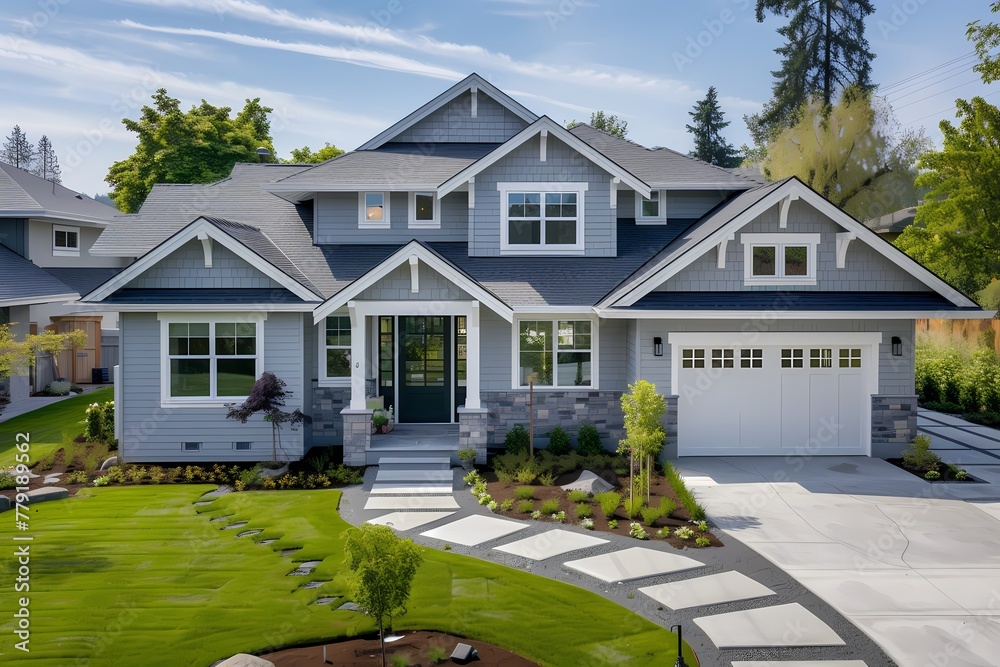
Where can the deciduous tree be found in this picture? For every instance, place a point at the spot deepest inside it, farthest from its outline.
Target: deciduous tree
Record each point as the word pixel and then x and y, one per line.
pixel 643 408
pixel 17 353
pixel 305 155
pixel 609 123
pixel 709 122
pixel 986 39
pixel 267 397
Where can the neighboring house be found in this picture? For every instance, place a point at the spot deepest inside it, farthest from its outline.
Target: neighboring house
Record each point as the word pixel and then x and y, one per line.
pixel 46 232
pixel 474 246
pixel 891 225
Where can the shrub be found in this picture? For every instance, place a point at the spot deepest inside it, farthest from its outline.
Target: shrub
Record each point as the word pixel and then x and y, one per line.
pixel 506 465
pixel 506 505
pixel 485 499
pixel 587 523
pixel 537 514
pixel 436 654
pixel 58 388
pixel 612 524
pixel 102 481
pixel 517 440
pixel 547 479
pixel 135 474
pixel 932 474
pixel 637 531
pixel 96 455
pixel 526 474
pixel 7 480
pixel 962 475
pixel 578 496
pixel 492 505
pixel 117 474
pixel 398 661
pixel 75 477
pixel 633 506
pixel 550 506
pixel 559 444
pixel 609 502
pixel 684 533
pixel 524 493
pixel 46 462
pixel 251 477
pixel 650 515
pixel 703 526
pixel 668 505
pixel 472 477
pixel 588 441
pixel 526 507
pixel 703 541
pixel 584 511
pixel 559 516
pixel 345 475
pixel 156 475
pixel 320 459
pixel 99 422
pixel 918 456
pixel 693 507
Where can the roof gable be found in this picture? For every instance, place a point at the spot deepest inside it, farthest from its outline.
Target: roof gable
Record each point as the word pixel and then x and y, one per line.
pixel 22 282
pixel 22 194
pixel 473 82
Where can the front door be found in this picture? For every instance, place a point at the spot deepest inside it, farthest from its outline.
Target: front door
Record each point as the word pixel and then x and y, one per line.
pixel 424 370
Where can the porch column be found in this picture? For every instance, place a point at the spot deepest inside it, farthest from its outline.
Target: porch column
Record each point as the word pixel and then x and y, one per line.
pixel 472 355
pixel 358 357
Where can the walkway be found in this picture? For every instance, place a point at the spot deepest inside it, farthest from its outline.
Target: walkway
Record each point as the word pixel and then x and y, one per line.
pixel 34 402
pixel 734 606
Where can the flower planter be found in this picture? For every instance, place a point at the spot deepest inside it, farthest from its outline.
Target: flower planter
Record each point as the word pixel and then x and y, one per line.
pixel 467 464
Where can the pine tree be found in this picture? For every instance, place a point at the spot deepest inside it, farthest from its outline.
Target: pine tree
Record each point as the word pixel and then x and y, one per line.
pixel 825 52
pixel 709 144
pixel 17 150
pixel 46 161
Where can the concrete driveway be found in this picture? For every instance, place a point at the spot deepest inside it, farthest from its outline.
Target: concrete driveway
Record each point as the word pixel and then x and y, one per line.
pixel 915 565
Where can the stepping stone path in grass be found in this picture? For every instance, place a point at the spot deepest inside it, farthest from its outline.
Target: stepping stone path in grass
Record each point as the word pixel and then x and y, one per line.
pixel 250 532
pixel 219 518
pixel 266 542
pixel 314 584
pixel 289 551
pixel 348 606
pixel 202 503
pixel 238 524
pixel 304 568
pixel 325 600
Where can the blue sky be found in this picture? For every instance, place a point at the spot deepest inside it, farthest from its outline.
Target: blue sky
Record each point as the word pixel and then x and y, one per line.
pixel 341 72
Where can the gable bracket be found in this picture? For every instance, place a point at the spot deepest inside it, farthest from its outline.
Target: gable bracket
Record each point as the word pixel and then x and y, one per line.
pixel 543 142
pixel 414 274
pixel 475 101
pixel 843 241
pixel 721 249
pixel 783 206
pixel 615 180
pixel 206 246
pixel 472 192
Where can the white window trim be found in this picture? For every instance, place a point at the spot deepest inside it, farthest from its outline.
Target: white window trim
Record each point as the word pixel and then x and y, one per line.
pixel 555 318
pixel 434 223
pixel 660 218
pixel 578 248
pixel 779 241
pixel 166 319
pixel 364 222
pixel 65 252
pixel 325 380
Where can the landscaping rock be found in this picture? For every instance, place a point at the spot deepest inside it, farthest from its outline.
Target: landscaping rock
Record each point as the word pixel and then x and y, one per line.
pixel 589 482
pixel 51 480
pixel 113 461
pixel 244 660
pixel 4 503
pixel 47 493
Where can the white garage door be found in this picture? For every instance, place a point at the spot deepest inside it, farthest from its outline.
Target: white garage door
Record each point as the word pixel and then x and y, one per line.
pixel 800 394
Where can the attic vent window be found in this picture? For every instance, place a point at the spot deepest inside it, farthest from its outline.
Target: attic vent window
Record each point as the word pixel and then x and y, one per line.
pixel 65 241
pixel 373 208
pixel 650 210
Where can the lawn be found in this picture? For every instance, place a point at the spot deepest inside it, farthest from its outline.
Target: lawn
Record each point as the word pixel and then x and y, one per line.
pixel 48 425
pixel 139 575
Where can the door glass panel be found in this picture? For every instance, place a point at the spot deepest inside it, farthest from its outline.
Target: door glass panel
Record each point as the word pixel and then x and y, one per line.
pixel 461 351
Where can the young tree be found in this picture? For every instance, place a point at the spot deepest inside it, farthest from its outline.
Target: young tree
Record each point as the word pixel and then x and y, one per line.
pixel 643 408
pixel 305 155
pixel 609 123
pixel 197 146
pixel 986 38
pixel 957 229
pixel 17 150
pixel 709 144
pixel 46 161
pixel 268 398
pixel 382 568
pixel 852 154
pixel 17 354
pixel 825 52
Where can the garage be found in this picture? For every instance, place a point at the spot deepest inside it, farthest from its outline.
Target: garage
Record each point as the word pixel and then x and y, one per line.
pixel 774 393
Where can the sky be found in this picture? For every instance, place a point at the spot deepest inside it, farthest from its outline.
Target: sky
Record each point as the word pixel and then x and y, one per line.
pixel 341 72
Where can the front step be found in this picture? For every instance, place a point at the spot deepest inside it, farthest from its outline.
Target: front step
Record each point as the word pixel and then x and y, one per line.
pixel 433 476
pixel 414 463
pixel 374 456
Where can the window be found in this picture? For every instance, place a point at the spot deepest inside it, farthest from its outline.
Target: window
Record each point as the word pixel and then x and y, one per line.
pixel 692 358
pixel 752 358
pixel 557 354
pixel 786 259
pixel 424 210
pixel 850 358
pixel 722 358
pixel 243 446
pixel 821 358
pixel 209 360
pixel 650 209
pixel 791 358
pixel 65 241
pixel 546 220
pixel 337 347
pixel 373 210
pixel 191 446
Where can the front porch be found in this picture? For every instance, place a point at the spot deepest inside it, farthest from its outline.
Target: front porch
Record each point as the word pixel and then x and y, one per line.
pixel 415 441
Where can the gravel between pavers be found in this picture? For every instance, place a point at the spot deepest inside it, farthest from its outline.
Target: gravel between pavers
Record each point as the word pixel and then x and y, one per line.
pixel 733 556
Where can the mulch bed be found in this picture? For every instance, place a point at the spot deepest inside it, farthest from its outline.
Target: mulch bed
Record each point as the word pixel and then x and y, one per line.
pixel 414 648
pixel 659 488
pixel 58 466
pixel 947 474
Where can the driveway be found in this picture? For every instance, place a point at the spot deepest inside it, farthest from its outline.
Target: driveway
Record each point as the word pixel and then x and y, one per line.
pixel 915 565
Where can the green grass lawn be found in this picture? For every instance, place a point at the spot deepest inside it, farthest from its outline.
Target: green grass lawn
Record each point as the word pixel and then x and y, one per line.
pixel 48 425
pixel 137 576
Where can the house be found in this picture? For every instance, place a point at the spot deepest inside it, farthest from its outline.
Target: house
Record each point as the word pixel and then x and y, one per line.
pixel 474 248
pixel 46 233
pixel 891 225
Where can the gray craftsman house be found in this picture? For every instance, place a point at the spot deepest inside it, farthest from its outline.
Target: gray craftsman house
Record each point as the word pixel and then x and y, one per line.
pixel 473 248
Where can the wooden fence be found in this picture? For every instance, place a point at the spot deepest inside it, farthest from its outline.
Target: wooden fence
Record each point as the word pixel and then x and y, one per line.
pixel 983 332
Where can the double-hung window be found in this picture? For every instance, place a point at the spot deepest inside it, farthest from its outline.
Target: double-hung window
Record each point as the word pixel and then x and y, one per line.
pixel 542 218
pixel 556 353
pixel 210 359
pixel 780 259
pixel 650 210
pixel 65 241
pixel 336 352
pixel 373 210
pixel 424 211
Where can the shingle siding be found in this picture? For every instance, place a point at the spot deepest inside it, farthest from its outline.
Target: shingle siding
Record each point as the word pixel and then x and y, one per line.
pixel 495 341
pixel 612 357
pixel 562 165
pixel 396 287
pixel 681 205
pixel 453 122
pixel 337 220
pixel 185 269
pixel 865 271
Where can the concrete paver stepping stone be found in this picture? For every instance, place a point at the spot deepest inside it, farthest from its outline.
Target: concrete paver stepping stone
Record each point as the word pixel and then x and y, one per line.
pixel 475 529
pixel 252 531
pixel 238 524
pixel 324 600
pixel 304 568
pixel 782 625
pixel 412 503
pixel 708 590
pixel 439 476
pixel 550 543
pixel 411 488
pixel 634 563
pixel 402 521
pixel 43 494
pixel 348 606
pixel 800 663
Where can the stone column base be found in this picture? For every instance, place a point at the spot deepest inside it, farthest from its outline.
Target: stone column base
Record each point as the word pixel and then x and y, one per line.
pixel 894 424
pixel 357 435
pixel 472 431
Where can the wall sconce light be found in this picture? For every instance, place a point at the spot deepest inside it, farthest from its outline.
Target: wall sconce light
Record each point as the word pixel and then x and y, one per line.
pixel 657 347
pixel 897 346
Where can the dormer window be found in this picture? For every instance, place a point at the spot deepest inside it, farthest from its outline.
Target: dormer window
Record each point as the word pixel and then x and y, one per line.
pixel 373 210
pixel 424 211
pixel 65 241
pixel 541 218
pixel 650 210
pixel 779 259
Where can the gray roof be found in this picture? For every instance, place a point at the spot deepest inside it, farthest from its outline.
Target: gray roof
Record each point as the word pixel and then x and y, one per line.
pixel 784 299
pixel 84 279
pixel 202 296
pixel 892 223
pixel 21 281
pixel 662 167
pixel 25 194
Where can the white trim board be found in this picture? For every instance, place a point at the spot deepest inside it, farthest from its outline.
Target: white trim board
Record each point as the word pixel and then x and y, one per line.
pixel 765 315
pixel 34 300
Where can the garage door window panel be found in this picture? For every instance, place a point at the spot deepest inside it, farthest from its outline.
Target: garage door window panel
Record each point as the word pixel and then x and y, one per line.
pixel 821 358
pixel 692 358
pixel 752 358
pixel 850 357
pixel 791 358
pixel 722 358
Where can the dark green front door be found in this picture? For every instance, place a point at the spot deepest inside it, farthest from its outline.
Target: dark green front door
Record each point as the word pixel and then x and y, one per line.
pixel 424 370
